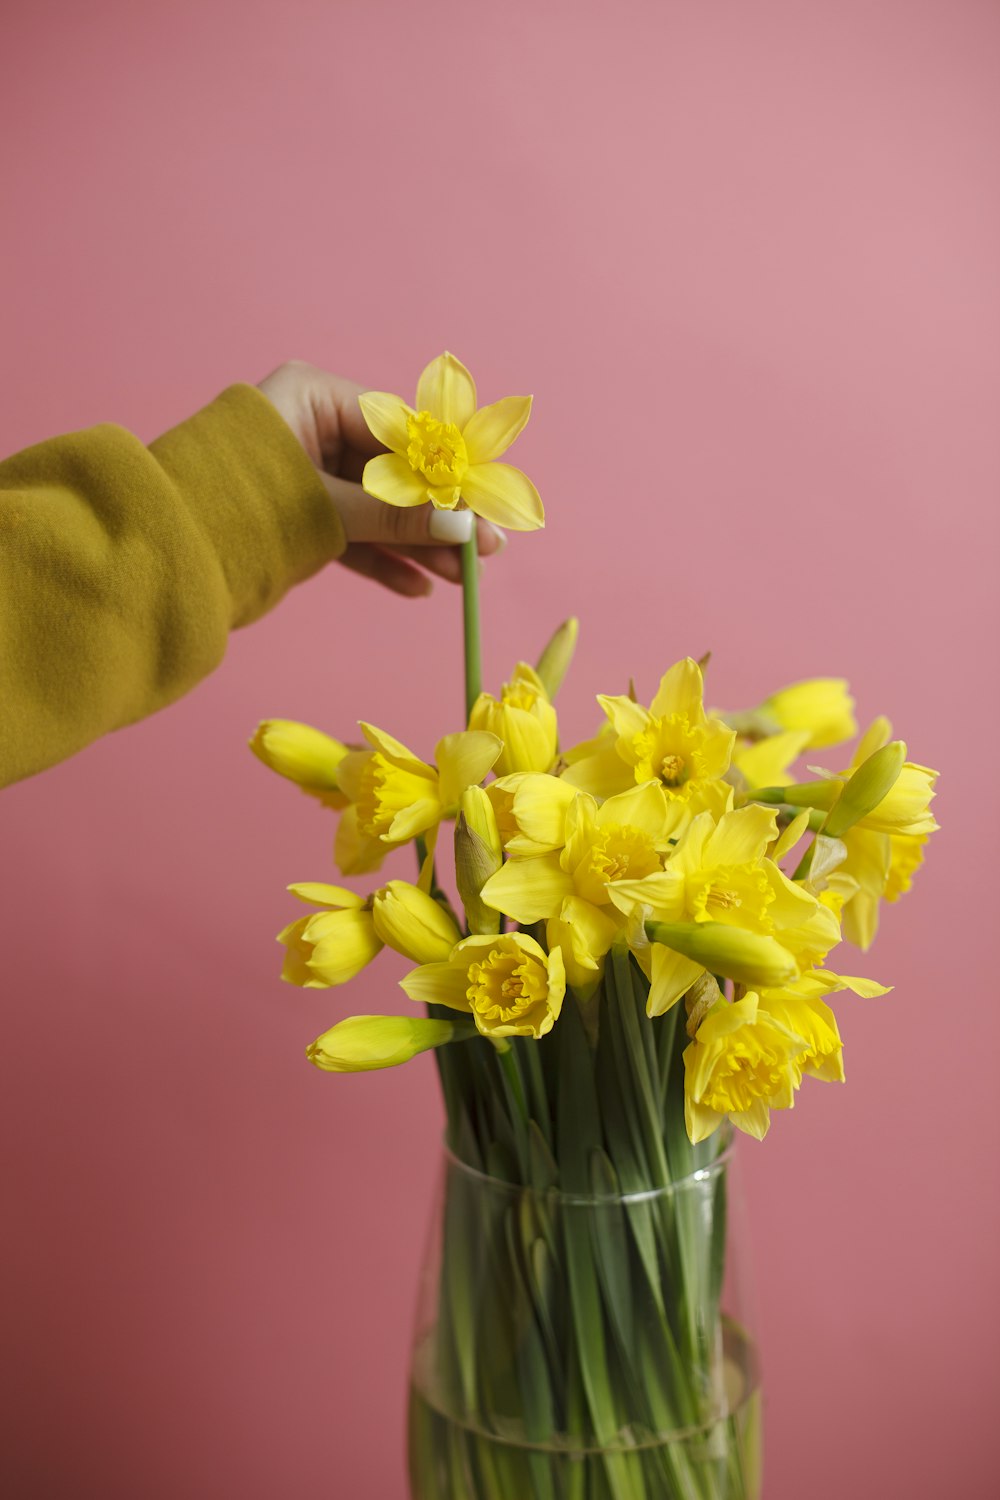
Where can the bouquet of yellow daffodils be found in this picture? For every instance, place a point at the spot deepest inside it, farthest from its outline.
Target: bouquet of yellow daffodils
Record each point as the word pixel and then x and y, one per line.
pixel 620 947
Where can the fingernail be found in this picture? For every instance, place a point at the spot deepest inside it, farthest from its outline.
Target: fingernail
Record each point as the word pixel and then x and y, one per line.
pixel 501 536
pixel 451 525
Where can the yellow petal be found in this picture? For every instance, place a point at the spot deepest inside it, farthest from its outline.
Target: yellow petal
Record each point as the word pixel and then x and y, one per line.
pixel 663 893
pixel 463 760
pixel 396 752
pixel 447 390
pixel 641 807
pixel 439 984
pixel 765 763
pixel 701 1122
pixel 672 975
pixel 628 717
pixel 354 852
pixel 315 893
pixel 502 494
pixel 529 890
pixel 755 1121
pixel 868 989
pixel 479 945
pixel 860 920
pixel 294 970
pixel 906 857
pixel 591 930
pixel 540 805
pixel 680 692
pixel 492 429
pixel 878 733
pixel 419 817
pixel 790 837
pixel 386 417
pixel 389 477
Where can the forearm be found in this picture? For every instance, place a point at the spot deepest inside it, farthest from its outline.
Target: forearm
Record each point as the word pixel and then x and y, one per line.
pixel 123 568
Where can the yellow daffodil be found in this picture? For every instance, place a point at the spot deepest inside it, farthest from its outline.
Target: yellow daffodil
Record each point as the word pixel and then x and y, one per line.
pixel 719 873
pixel 359 1044
pixel 742 1063
pixel 673 742
pixel 523 718
pixel 445 450
pixel 906 807
pixel 330 946
pixel 413 923
pixel 903 808
pixel 301 754
pixel 506 981
pixel 570 888
pixel 822 707
pixel 397 796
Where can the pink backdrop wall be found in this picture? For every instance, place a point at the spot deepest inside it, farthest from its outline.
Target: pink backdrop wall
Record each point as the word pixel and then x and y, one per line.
pixel 745 256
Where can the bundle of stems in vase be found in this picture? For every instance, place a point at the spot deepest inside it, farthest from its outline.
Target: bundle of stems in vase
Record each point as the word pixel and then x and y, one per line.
pixel 622 949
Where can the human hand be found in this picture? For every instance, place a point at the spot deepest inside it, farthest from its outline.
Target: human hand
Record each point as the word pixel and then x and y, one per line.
pixel 396 547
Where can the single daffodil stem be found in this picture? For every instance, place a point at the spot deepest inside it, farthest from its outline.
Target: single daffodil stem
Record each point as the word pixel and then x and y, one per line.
pixel 470 619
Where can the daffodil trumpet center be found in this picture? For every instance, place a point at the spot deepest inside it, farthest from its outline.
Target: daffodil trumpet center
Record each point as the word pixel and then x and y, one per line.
pixel 667 750
pixel 673 771
pixel 732 894
pixel 620 853
pixel 505 987
pixel 385 791
pixel 750 1071
pixel 436 450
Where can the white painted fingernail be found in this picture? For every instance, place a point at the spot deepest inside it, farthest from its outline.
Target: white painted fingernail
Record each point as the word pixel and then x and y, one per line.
pixel 451 525
pixel 501 536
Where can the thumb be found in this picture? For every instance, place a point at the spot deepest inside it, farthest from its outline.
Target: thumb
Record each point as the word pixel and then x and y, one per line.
pixel 366 519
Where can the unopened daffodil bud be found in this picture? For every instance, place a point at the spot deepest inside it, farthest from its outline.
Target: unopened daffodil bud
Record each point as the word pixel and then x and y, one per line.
pixel 330 946
pixel 523 718
pixel 869 786
pixel 360 1044
pixel 751 958
pixel 478 855
pixel 301 754
pixel 412 922
pixel 555 660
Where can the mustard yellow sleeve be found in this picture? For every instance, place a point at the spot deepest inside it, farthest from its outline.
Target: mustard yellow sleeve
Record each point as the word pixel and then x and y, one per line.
pixel 123 568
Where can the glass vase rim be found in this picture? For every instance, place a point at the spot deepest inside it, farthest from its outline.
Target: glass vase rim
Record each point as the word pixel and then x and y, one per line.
pixel 700 1174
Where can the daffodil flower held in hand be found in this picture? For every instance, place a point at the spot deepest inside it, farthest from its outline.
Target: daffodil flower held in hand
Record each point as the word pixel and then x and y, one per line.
pixel 445 451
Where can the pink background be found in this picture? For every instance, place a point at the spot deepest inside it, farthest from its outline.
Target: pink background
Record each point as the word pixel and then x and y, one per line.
pixel 745 255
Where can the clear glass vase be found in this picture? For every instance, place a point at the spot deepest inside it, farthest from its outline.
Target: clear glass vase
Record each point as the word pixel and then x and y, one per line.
pixel 575 1347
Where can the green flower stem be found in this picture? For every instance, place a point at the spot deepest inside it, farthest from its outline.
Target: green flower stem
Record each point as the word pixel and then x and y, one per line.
pixel 470 621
